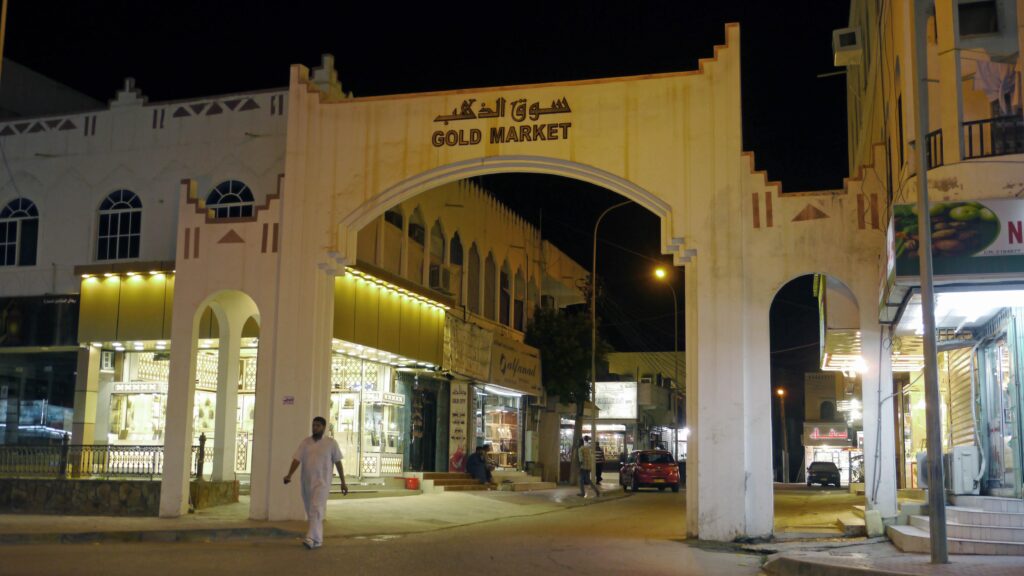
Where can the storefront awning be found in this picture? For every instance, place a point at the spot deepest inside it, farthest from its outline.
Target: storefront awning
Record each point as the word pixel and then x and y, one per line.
pixel 127 301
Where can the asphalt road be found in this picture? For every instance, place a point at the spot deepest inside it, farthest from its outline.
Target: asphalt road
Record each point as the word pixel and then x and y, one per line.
pixel 640 534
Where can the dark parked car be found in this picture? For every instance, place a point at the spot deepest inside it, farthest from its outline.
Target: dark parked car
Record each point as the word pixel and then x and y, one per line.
pixel 656 468
pixel 823 473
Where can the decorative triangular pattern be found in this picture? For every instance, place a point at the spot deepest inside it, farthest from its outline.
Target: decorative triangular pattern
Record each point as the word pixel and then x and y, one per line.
pixel 8 131
pixel 37 127
pixel 180 112
pixel 22 126
pixel 51 124
pixel 198 108
pixel 250 104
pixel 809 213
pixel 68 125
pixel 231 237
pixel 232 104
pixel 214 109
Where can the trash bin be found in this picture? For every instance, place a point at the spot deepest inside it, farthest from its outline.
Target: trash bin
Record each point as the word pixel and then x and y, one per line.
pixel 412 483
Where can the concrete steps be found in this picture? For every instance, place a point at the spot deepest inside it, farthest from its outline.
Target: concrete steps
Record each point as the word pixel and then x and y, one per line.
pixel 432 482
pixel 913 539
pixel 519 481
pixel 990 503
pixel 973 532
pixel 974 525
pixel 852 526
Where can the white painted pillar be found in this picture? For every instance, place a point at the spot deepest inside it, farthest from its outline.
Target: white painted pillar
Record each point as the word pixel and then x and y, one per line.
pixel 180 399
pixel 878 419
pixel 693 415
pixel 226 423
pixel 729 339
pixel 297 390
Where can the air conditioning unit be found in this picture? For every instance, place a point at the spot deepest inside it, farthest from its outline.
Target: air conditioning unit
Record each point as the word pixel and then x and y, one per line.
pixel 846 47
pixel 441 278
pixel 959 469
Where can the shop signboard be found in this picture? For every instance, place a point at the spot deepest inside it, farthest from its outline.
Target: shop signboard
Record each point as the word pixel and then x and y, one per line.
pixel 615 400
pixel 825 434
pixel 50 320
pixel 458 422
pixel 467 349
pixel 968 237
pixel 515 365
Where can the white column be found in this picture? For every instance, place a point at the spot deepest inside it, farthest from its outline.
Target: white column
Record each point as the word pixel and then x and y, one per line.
pixel 693 422
pixel 301 343
pixel 878 420
pixel 180 399
pixel 226 424
pixel 733 427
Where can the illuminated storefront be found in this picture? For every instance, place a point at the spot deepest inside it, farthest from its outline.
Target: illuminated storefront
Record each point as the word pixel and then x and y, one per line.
pixel 501 404
pixel 38 365
pixel 617 425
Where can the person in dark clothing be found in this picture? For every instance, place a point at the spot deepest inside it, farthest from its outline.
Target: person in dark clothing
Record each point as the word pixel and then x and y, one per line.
pixel 598 462
pixel 476 466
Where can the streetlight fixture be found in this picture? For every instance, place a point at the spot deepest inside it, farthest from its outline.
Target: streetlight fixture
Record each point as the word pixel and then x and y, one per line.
pixel 593 316
pixel 662 274
pixel 785 440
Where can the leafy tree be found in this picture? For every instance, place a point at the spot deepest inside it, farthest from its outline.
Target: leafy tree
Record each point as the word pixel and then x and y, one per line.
pixel 563 340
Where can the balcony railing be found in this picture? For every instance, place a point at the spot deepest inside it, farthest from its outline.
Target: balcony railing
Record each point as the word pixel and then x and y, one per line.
pixel 76 461
pixel 994 137
pixel 933 154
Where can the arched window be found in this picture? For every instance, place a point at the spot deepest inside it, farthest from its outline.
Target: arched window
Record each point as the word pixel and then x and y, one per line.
pixel 231 199
pixel 473 273
pixel 19 233
pixel 519 309
pixel 437 244
pixel 120 227
pixel 505 295
pixel 455 249
pixel 490 287
pixel 394 217
pixel 827 411
pixel 417 247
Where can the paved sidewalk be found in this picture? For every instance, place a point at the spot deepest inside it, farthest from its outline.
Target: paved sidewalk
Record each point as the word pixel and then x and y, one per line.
pixel 389 516
pixel 860 557
pixel 346 517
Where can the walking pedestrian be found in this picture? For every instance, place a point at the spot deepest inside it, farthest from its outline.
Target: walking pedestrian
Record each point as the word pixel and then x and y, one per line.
pixel 317 455
pixel 586 460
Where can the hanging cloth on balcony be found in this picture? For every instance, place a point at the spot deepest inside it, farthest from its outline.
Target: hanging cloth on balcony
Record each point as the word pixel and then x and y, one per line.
pixel 996 80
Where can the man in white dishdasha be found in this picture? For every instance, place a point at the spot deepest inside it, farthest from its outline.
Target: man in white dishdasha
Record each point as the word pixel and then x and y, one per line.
pixel 317 455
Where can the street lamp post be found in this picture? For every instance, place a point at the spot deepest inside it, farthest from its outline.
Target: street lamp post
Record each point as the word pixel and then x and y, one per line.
pixel 661 274
pixel 593 314
pixel 785 440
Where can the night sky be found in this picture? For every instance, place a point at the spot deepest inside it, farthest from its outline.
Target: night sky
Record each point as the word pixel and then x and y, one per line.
pixel 794 121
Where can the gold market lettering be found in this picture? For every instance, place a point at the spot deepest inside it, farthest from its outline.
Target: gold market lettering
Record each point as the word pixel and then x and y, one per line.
pixel 519 111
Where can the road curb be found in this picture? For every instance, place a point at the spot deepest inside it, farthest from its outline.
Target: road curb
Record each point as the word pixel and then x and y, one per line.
pixel 143 536
pixel 792 565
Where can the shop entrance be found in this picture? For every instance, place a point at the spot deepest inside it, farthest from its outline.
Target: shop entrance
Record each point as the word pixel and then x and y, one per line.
pixel 423 449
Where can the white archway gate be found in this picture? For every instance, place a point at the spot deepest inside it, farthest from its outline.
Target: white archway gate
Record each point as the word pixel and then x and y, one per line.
pixel 670 142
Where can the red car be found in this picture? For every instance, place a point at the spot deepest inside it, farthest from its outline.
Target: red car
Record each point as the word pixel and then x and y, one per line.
pixel 655 468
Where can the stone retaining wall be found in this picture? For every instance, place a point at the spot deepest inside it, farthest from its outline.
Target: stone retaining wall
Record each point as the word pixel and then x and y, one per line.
pixel 206 494
pixel 102 497
pixel 80 497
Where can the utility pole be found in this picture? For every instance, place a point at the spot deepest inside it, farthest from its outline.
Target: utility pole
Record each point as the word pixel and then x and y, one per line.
pixel 933 423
